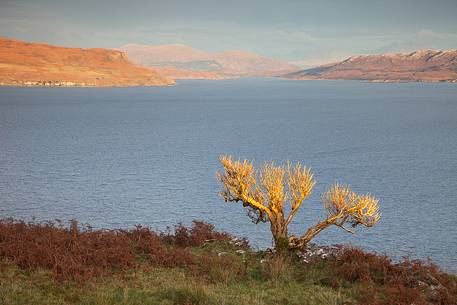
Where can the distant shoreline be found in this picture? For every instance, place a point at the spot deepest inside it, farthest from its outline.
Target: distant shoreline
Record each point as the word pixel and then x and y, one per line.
pixel 390 81
pixel 65 84
pixel 75 85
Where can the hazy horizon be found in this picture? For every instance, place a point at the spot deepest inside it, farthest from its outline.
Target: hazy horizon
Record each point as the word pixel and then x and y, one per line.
pixel 302 32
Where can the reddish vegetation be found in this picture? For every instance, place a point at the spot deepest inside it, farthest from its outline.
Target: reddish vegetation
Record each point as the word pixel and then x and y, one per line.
pixel 384 283
pixel 81 253
pixel 23 63
pixel 424 65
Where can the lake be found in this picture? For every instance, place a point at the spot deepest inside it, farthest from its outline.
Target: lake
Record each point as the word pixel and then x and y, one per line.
pixel 115 157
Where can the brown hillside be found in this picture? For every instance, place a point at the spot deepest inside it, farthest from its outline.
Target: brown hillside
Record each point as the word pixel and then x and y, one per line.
pixel 175 73
pixel 245 63
pixel 24 63
pixel 182 59
pixel 424 65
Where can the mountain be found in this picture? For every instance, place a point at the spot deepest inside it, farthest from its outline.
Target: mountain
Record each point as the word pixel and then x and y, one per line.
pixel 221 65
pixel 29 64
pixel 165 52
pixel 243 63
pixel 175 73
pixel 423 65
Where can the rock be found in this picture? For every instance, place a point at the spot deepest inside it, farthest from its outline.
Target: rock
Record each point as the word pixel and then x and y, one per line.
pixel 313 251
pixel 208 241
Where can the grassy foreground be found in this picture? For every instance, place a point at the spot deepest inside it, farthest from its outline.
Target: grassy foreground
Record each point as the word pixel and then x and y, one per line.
pixel 52 264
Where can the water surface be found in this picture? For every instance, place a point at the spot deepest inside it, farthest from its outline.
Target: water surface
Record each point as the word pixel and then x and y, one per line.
pixel 117 157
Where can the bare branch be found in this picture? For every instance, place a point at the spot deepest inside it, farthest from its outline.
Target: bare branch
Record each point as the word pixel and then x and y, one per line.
pixel 345 229
pixel 265 192
pixel 240 184
pixel 272 179
pixel 300 182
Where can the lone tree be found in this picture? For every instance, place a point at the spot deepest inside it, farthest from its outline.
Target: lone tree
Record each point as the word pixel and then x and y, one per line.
pixel 265 193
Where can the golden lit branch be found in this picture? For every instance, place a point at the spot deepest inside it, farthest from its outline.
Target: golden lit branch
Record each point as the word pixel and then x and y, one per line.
pixel 272 179
pixel 348 207
pixel 338 199
pixel 300 182
pixel 343 206
pixel 367 211
pixel 240 184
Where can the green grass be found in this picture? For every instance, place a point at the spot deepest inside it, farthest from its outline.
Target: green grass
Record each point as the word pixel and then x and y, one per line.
pixel 100 271
pixel 253 284
pixel 156 286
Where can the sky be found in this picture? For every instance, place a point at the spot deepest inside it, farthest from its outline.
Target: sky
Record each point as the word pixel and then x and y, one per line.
pixel 305 32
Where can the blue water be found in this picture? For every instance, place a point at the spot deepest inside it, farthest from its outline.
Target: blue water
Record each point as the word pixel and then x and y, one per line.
pixel 117 157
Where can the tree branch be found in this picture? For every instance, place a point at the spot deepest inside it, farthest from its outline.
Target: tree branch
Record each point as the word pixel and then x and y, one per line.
pixel 345 229
pixel 292 214
pixel 316 229
pixel 257 205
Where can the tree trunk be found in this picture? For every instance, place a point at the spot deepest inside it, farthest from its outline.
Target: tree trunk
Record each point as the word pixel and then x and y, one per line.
pixel 280 235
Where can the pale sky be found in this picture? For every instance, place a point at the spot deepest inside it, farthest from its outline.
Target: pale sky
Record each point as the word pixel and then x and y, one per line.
pixel 291 30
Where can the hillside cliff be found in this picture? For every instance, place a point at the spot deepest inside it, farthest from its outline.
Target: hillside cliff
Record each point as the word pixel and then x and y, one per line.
pixel 35 64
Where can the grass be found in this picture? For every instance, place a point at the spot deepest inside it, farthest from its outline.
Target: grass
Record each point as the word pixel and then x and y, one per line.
pixel 197 266
pixel 156 286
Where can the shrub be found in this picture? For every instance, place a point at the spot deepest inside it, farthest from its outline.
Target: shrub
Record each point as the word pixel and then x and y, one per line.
pixel 78 253
pixel 68 252
pixel 383 282
pixel 196 235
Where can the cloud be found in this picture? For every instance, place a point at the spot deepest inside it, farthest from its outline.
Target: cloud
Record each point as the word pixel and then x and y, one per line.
pixel 427 33
pixel 423 39
pixel 304 32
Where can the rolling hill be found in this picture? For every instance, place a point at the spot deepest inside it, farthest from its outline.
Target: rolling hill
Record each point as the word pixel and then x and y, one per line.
pixel 205 64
